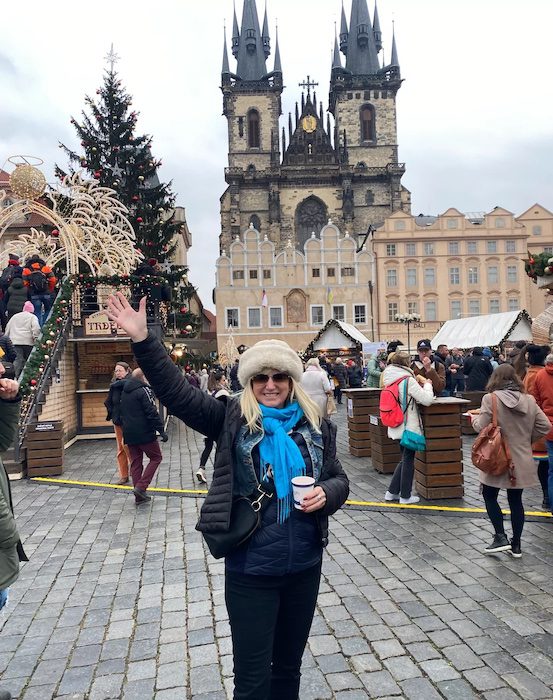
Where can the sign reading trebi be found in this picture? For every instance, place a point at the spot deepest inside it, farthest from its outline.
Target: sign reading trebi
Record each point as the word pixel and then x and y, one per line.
pixel 98 324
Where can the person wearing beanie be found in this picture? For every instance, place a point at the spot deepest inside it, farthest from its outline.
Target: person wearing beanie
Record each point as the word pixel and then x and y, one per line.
pixel 477 370
pixel 23 330
pixel 268 434
pixel 316 384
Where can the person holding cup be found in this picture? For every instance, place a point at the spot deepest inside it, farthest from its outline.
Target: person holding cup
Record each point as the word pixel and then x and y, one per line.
pixel 266 436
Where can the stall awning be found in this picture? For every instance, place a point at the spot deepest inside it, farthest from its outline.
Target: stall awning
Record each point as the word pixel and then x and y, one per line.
pixel 482 331
pixel 337 334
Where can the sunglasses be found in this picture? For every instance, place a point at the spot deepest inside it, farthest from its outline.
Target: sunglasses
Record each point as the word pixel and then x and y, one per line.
pixel 264 378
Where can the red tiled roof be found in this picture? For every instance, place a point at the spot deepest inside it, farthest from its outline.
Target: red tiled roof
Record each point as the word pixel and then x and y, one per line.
pixel 212 320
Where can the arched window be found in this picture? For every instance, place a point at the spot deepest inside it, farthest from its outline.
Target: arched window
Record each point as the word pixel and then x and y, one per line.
pixel 255 222
pixel 311 215
pixel 367 123
pixel 253 128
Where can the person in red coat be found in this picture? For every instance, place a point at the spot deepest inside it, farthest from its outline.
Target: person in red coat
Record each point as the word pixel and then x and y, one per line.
pixel 542 390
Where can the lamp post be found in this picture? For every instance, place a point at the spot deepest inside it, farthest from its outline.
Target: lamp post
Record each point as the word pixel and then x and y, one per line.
pixel 408 319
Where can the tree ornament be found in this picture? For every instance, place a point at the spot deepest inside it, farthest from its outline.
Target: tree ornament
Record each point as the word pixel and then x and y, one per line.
pixel 97 174
pixel 55 233
pixel 183 309
pixel 139 219
pixel 94 149
pixel 141 178
pixel 135 198
pixel 33 382
pixel 188 328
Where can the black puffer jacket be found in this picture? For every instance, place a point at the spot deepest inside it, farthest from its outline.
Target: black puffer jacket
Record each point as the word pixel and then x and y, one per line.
pixel 221 419
pixel 139 416
pixel 16 296
pixel 113 401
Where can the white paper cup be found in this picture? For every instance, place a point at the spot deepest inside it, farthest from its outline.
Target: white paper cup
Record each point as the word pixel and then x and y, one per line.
pixel 301 486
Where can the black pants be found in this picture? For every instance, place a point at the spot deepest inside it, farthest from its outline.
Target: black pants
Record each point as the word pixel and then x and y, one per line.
pixel 270 618
pixel 514 496
pixel 338 394
pixel 402 480
pixel 543 474
pixel 208 446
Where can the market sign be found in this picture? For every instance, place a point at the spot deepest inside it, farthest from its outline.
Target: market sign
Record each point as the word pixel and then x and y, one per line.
pixel 98 324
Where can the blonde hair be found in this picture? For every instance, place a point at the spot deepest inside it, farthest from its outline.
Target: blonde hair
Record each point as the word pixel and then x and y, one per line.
pixel 313 362
pixel 249 407
pixel 400 359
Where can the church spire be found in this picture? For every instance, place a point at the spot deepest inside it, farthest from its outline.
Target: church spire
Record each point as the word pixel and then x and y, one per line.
pixel 265 35
pixel 336 61
pixel 278 66
pixel 394 62
pixel 362 58
pixel 343 32
pixel 235 34
pixel 225 70
pixel 376 29
pixel 251 52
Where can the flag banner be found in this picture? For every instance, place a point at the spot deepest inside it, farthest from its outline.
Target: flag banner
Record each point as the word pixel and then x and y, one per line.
pixel 329 295
pixel 264 300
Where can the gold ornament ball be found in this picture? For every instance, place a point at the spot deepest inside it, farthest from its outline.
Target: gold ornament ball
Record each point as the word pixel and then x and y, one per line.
pixel 27 182
pixel 188 328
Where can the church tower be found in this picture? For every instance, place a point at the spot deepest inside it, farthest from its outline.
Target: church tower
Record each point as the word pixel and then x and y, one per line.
pixel 251 104
pixel 363 102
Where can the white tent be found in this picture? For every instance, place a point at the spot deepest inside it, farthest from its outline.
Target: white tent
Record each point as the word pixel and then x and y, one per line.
pixel 337 334
pixel 481 331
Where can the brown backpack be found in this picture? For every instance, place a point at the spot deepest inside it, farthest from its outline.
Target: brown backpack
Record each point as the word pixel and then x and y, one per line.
pixel 490 451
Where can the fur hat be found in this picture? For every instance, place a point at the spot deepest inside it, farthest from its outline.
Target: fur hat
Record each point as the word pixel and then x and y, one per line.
pixel 269 354
pixel 537 354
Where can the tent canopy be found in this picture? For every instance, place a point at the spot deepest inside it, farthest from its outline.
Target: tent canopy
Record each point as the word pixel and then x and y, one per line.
pixel 481 331
pixel 337 334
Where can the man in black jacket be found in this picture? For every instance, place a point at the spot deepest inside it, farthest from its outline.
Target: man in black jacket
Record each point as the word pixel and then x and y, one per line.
pixel 477 370
pixel 141 421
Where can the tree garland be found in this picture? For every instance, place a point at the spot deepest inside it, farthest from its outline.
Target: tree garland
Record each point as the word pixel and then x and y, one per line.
pixel 540 265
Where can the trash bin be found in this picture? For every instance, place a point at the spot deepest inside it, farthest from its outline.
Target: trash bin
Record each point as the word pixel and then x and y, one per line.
pixel 44 446
pixel 360 403
pixel 385 452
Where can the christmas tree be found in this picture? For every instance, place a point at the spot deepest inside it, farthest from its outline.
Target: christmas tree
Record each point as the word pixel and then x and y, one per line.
pixel 122 160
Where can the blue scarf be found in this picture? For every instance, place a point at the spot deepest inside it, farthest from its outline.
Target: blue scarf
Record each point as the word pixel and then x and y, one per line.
pixel 279 451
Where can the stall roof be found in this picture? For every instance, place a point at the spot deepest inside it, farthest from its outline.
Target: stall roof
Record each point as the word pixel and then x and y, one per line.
pixel 481 331
pixel 333 334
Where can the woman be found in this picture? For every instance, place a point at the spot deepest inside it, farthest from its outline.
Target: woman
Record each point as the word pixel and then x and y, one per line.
pixel 316 384
pixel 419 390
pixel 204 379
pixel 121 373
pixel 340 376
pixel 267 435
pixel 535 356
pixel 217 386
pixel 15 297
pixel 522 422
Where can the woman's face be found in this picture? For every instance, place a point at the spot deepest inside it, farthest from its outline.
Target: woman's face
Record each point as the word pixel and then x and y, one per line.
pixel 119 372
pixel 271 388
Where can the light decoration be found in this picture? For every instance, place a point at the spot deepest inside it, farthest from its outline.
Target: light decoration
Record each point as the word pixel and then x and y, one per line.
pixel 27 181
pixel 228 353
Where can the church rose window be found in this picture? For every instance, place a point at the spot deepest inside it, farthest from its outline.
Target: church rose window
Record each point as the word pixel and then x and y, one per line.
pixel 367 123
pixel 253 129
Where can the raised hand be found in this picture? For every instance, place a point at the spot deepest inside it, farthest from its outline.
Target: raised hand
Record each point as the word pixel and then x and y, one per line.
pixel 131 321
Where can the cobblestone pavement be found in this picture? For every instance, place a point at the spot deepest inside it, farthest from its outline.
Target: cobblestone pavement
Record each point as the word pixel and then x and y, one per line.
pixel 124 602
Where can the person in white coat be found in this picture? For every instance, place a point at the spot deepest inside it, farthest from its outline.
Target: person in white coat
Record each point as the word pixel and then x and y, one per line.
pixel 316 384
pixel 23 329
pixel 204 379
pixel 419 391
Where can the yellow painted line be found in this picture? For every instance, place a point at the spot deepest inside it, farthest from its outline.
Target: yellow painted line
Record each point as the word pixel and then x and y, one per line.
pixel 371 504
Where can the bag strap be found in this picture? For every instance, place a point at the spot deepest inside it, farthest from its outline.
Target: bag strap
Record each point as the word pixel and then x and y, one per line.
pixel 494 410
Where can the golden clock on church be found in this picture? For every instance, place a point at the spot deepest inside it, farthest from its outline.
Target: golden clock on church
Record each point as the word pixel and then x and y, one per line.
pixel 309 124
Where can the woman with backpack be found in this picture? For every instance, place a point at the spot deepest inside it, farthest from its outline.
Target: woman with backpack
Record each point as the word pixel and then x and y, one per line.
pixel 522 423
pixel 410 392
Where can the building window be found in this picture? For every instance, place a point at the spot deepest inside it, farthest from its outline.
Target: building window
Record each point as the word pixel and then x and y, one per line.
pixel 536 230
pixel 454 275
pixel 429 276
pixel 315 272
pixel 455 308
pixel 254 317
pixel 493 306
pixel 429 248
pixel 392 311
pixel 317 317
pixel 367 123
pixel 473 275
pixel 275 316
pixel 238 274
pixel 255 221
pixel 474 307
pixel 391 250
pixel 339 312
pixel 233 318
pixel 266 274
pixel 359 313
pixel 348 272
pixel 430 311
pixel 411 273
pixel 369 197
pixel 514 304
pixel 452 223
pixel 453 247
pixel 472 247
pixel 330 272
pixel 493 275
pixel 253 274
pixel 391 278
pixel 412 307
pixel 491 246
pixel 410 249
pixel 253 128
pixel 399 225
pixel 499 222
pixel 512 273
pixel 510 246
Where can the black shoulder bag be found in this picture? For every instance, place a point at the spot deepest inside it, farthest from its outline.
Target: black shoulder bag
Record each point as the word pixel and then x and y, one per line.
pixel 245 518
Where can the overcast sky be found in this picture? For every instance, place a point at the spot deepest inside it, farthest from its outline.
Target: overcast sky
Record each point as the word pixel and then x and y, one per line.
pixel 475 112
